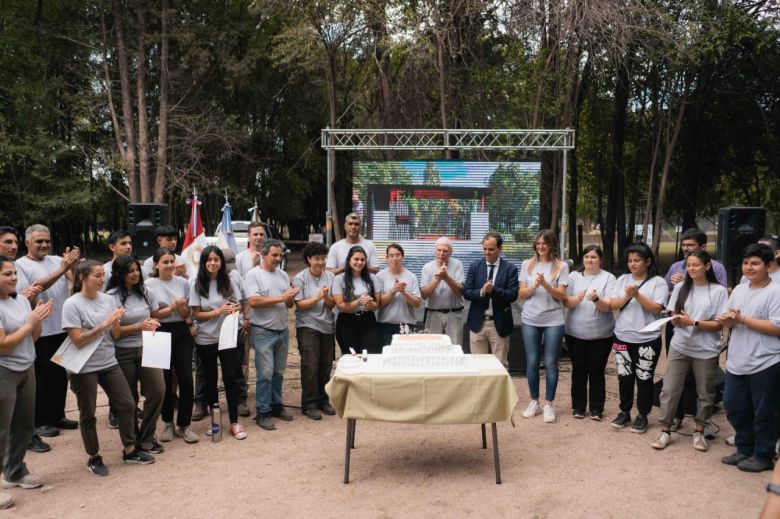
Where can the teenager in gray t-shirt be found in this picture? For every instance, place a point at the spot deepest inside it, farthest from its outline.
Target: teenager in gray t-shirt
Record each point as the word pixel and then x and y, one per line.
pixel 400 296
pixel 90 316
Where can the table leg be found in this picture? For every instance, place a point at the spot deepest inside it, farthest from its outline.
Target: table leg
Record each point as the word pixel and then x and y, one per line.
pixel 484 437
pixel 354 426
pixel 495 454
pixel 350 430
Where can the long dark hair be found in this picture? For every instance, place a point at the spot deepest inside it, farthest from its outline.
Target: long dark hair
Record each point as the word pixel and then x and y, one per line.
pixel 224 287
pixel 159 253
pixel 589 248
pixel 644 252
pixel 82 270
pixel 349 293
pixel 688 283
pixel 119 269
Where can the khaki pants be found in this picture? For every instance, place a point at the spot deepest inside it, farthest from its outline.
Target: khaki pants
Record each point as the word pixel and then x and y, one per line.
pixel 487 340
pixel 450 323
pixel 704 372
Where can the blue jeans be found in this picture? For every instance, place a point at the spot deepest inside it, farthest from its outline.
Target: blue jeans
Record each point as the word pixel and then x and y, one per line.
pixel 532 340
pixel 752 409
pixel 270 362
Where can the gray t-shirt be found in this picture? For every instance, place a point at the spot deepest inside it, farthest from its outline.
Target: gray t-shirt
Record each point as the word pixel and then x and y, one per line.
pixel 541 309
pixel 704 303
pixel 585 321
pixel 244 262
pixel 319 317
pixel 443 298
pixel 260 282
pixel 337 255
pixel 13 315
pixel 35 270
pixel 208 330
pixel 166 292
pixel 86 314
pixel 633 317
pixel 359 288
pixel 237 280
pixel 137 309
pixel 398 311
pixel 751 351
pixel 107 272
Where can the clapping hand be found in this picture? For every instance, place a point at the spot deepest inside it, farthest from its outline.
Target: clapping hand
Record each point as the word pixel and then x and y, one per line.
pixel 730 318
pixel 40 312
pixel 632 290
pixel 592 295
pixel 30 293
pixel 70 257
pixel 115 316
pixel 682 319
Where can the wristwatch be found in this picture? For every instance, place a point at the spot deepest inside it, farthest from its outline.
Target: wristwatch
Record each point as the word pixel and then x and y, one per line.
pixel 775 489
pixel 596 299
pixel 696 324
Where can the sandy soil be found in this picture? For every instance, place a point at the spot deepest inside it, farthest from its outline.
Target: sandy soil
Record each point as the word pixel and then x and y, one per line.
pixel 573 468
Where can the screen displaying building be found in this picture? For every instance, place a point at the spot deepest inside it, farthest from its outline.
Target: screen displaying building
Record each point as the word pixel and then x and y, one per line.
pixel 413 203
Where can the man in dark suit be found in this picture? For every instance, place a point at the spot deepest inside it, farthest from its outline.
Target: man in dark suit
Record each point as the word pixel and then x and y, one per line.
pixel 491 286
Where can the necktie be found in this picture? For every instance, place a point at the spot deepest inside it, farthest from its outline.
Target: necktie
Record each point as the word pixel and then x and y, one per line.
pixel 491 266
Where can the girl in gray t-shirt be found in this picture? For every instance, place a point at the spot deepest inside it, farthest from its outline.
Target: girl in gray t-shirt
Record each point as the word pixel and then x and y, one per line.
pixel 400 296
pixel 127 289
pixel 212 298
pixel 19 327
pixel 90 316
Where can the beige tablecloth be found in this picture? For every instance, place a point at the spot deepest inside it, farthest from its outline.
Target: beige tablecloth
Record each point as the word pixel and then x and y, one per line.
pixel 485 396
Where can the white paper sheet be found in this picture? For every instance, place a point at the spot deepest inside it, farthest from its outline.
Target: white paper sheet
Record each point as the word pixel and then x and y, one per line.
pixel 72 358
pixel 157 350
pixel 655 325
pixel 228 332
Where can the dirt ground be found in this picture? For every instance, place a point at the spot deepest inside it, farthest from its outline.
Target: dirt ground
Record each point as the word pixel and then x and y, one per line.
pixel 573 468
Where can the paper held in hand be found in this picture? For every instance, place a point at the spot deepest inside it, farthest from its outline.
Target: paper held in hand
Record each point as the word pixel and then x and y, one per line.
pixel 655 325
pixel 72 358
pixel 157 350
pixel 229 332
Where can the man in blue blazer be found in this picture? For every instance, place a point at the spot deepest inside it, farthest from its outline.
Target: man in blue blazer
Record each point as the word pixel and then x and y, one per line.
pixel 491 286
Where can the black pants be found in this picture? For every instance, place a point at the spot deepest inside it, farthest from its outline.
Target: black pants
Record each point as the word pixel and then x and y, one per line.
pixel 588 362
pixel 359 332
pixel 229 359
pixel 181 361
pixel 51 380
pixel 636 365
pixel 318 350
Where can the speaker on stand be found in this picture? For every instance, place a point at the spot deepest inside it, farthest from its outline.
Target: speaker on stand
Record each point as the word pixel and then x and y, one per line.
pixel 142 220
pixel 738 227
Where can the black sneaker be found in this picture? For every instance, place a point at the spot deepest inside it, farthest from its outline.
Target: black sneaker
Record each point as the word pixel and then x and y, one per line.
pixel 95 466
pixel 113 423
pixel 623 419
pixel 314 414
pixel 640 424
pixel 596 417
pixel 327 409
pixel 264 422
pixel 734 459
pixel 579 415
pixel 154 447
pixel 38 445
pixel 47 431
pixel 137 457
pixel 281 413
pixel 753 464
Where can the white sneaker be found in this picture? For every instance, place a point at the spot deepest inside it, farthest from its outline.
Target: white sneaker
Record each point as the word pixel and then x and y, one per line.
pixel 549 413
pixel 699 443
pixel 167 434
pixel 661 441
pixel 532 409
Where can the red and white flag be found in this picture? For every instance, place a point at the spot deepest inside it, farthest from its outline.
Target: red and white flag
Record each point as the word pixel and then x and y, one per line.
pixel 194 237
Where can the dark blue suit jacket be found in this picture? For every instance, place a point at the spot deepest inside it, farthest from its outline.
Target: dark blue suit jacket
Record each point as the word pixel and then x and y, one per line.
pixel 503 294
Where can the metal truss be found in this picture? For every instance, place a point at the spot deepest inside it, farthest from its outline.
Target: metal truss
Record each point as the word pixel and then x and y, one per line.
pixel 386 139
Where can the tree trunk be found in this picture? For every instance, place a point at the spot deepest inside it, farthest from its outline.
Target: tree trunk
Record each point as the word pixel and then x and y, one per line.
pixel 336 220
pixel 161 161
pixel 670 144
pixel 127 103
pixel 143 124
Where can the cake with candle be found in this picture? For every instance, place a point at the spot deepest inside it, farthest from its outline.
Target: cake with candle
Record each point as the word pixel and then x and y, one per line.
pixel 419 351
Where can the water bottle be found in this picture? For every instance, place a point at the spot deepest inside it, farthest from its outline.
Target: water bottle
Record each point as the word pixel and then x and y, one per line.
pixel 216 423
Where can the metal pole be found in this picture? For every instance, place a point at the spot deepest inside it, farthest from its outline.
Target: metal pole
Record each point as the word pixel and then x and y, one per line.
pixel 564 209
pixel 329 190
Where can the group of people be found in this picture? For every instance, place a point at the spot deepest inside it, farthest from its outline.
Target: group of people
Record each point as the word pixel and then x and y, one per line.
pixel 342 296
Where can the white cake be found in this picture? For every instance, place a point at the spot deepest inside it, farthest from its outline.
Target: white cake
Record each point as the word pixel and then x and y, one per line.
pixel 422 351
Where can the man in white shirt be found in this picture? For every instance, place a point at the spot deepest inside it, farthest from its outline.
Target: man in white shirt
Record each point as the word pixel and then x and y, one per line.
pixel 442 288
pixel 120 244
pixel 337 256
pixel 251 257
pixel 51 273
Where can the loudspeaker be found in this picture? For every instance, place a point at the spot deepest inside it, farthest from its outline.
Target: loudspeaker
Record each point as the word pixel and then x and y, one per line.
pixel 142 220
pixel 738 227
